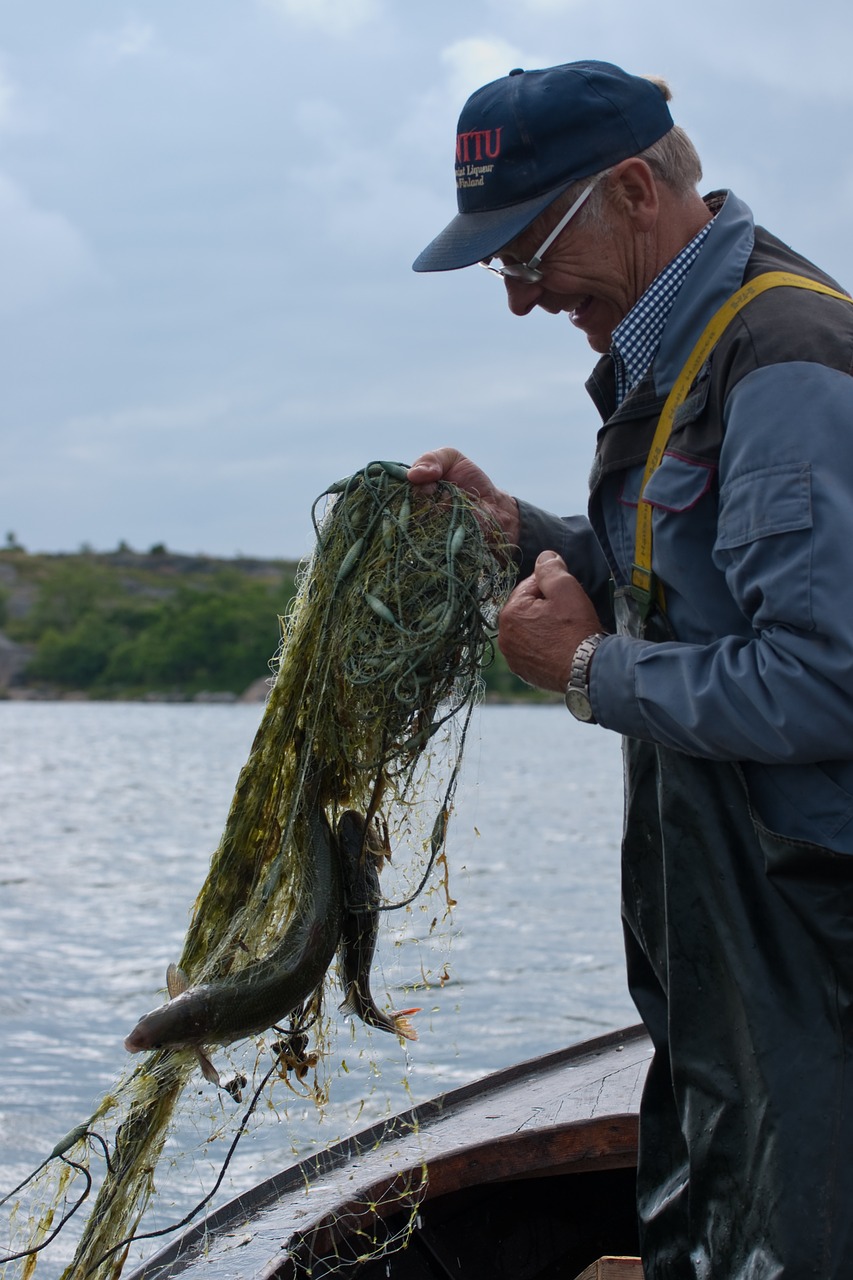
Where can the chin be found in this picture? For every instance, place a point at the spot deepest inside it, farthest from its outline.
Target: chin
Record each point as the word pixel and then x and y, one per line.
pixel 599 344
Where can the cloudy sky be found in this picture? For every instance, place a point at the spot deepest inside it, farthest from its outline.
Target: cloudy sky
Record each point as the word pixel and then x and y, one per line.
pixel 208 213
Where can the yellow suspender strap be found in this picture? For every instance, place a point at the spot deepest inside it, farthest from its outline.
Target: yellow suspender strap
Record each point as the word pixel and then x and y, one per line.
pixel 644 586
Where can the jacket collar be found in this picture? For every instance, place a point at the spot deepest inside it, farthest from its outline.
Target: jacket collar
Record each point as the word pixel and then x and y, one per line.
pixel 716 274
pixel 625 438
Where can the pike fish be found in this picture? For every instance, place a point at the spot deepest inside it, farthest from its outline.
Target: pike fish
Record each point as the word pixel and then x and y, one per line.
pixel 267 991
pixel 363 855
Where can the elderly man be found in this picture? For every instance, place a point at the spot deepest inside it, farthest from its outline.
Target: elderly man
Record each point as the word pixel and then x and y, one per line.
pixel 704 611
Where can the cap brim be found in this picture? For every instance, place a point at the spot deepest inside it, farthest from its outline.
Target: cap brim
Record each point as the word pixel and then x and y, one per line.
pixel 471 237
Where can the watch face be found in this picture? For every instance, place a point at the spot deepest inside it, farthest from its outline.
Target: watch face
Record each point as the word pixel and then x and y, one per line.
pixel 578 703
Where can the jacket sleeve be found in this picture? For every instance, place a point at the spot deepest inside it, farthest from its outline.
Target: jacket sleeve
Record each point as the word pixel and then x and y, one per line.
pixel 782 690
pixel 573 538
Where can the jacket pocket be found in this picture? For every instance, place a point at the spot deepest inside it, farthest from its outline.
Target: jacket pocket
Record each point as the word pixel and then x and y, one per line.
pixel 760 504
pixel 679 483
pixel 682 496
pixel 764 544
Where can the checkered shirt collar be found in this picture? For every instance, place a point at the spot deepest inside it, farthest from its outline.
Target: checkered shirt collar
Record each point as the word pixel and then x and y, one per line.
pixel 637 337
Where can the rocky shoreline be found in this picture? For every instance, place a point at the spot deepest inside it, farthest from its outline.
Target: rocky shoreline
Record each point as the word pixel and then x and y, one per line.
pixel 256 693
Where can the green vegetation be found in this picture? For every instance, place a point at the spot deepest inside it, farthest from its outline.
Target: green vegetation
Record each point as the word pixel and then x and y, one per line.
pixel 125 624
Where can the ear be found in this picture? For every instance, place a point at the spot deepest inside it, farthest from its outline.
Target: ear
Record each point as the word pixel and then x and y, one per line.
pixel 633 191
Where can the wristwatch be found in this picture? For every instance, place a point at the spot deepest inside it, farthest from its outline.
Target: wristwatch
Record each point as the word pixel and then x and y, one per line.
pixel 577 690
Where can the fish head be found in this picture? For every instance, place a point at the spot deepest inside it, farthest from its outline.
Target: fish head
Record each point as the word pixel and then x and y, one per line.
pixel 177 1022
pixel 148 1032
pixel 158 1028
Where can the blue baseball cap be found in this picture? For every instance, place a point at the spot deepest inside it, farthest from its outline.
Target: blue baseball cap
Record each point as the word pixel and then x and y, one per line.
pixel 524 139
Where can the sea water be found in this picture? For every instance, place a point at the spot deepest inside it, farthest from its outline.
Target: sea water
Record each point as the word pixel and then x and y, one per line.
pixel 108 816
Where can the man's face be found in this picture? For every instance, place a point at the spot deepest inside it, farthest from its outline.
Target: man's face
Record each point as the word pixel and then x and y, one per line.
pixel 590 273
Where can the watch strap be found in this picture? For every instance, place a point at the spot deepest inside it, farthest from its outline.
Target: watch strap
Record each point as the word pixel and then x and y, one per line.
pixel 577 690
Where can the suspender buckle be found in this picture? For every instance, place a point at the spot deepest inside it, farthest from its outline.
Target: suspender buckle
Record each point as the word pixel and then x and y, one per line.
pixel 645 589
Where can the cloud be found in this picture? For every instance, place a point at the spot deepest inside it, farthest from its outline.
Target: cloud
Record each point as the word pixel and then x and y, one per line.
pixel 812 67
pixel 355 192
pixel 208 214
pixel 431 119
pixel 476 61
pixel 152 433
pixel 42 255
pixel 335 17
pixel 540 8
pixel 7 94
pixel 132 40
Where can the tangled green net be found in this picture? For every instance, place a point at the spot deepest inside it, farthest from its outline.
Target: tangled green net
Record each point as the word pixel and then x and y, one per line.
pixel 381 649
pixel 383 645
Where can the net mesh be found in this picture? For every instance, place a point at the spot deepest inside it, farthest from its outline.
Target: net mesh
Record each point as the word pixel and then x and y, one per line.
pixel 382 648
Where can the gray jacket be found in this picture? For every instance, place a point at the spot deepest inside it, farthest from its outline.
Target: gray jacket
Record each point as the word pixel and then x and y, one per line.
pixel 753 539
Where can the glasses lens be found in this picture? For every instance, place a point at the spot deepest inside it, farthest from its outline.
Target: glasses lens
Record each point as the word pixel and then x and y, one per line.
pixel 515 271
pixel 521 271
pixel 532 275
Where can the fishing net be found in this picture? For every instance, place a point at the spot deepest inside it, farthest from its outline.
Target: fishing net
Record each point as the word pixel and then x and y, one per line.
pixel 382 649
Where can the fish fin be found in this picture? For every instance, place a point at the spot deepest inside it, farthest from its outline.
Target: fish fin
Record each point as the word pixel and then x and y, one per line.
pixel 379 856
pixel 176 981
pixel 349 1004
pixel 208 1070
pixel 402 1025
pixel 396 1021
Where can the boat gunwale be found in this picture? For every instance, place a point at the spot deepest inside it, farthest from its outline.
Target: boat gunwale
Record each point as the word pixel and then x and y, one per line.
pixel 263 1196
pixel 591 1145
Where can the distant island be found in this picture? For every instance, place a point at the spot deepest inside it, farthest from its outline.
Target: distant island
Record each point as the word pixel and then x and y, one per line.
pixel 156 625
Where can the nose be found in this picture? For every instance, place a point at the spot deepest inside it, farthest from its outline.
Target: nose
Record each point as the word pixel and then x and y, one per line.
pixel 521 298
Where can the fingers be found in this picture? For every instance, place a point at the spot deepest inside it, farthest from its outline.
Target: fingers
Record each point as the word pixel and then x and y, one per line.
pixel 433 466
pixel 562 593
pixel 549 570
pixel 451 465
pixel 543 622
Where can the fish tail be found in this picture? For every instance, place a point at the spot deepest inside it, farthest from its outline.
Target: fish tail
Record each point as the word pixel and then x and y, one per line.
pixel 396 1021
pixel 401 1024
pixel 351 1004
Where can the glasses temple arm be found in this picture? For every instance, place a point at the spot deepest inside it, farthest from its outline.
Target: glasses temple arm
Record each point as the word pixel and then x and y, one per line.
pixel 543 249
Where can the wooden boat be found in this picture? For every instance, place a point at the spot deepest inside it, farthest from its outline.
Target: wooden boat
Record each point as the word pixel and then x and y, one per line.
pixel 529 1172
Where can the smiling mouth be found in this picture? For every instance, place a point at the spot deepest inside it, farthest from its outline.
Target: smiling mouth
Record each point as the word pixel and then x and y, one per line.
pixel 577 313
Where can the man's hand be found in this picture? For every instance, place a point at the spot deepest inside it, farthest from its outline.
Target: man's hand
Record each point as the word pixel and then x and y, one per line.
pixel 544 621
pixel 451 465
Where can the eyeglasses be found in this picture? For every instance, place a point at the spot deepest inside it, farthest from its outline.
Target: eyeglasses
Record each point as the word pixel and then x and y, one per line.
pixel 529 272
